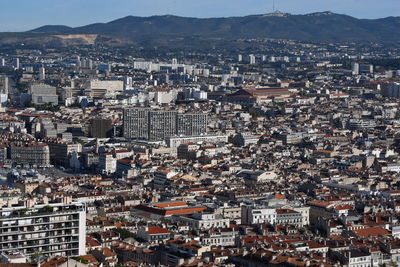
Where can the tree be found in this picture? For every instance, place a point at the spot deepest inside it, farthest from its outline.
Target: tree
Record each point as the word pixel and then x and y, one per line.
pixel 125 233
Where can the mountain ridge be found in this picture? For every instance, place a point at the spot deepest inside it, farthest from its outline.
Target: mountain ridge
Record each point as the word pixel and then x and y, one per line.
pixel 318 26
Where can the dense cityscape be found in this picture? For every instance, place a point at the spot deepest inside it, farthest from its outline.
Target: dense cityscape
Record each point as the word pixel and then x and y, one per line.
pixel 270 153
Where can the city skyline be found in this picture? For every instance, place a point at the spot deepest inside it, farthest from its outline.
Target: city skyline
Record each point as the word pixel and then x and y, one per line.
pixel 76 12
pixel 200 133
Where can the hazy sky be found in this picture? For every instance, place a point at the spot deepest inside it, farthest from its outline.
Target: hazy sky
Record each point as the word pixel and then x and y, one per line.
pixel 20 15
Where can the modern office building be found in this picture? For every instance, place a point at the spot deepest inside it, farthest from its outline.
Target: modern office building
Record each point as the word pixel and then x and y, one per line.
pixel 136 123
pixel 157 125
pixel 42 73
pixel 102 88
pixel 355 67
pixel 392 90
pixel 191 124
pixel 42 94
pixel 45 229
pixel 162 124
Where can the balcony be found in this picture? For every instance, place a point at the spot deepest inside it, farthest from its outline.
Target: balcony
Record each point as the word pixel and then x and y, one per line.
pixel 73 219
pixel 41 244
pixel 24 213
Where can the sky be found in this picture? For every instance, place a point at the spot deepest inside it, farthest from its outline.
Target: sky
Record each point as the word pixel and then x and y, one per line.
pixel 22 15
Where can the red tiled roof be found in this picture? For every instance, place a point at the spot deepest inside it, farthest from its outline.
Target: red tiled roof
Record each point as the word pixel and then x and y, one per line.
pixel 185 211
pixel 343 207
pixel 279 196
pixel 319 203
pixel 372 231
pixel 156 230
pixel 170 204
pixel 164 212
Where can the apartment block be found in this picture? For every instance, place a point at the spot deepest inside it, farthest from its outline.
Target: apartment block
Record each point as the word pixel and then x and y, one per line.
pixel 48 229
pixel 30 153
pixel 191 124
pixel 157 125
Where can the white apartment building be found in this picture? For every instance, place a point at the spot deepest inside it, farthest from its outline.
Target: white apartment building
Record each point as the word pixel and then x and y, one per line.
pixel 162 177
pixel 285 215
pixel 255 215
pixel 107 163
pixel 220 238
pixel 174 142
pixel 48 229
pixel 204 221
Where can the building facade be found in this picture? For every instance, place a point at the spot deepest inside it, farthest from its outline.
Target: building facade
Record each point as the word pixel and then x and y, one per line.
pixel 43 94
pixel 30 153
pixel 61 151
pixel 158 125
pixel 191 124
pixel 175 141
pixel 136 123
pixel 161 124
pixel 51 229
pixel 101 128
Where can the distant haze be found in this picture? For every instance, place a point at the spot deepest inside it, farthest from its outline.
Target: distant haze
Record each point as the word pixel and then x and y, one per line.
pixel 24 15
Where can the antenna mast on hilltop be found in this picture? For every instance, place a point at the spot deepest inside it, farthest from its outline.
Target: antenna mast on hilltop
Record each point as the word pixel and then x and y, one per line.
pixel 273 5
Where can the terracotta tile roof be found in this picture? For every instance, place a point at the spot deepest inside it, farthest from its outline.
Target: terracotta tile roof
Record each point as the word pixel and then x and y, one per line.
pixel 91 242
pixel 170 204
pixel 279 196
pixel 185 210
pixel 344 207
pixel 108 252
pixel 372 231
pixel 156 230
pixel 319 203
pixel 54 262
pixel 89 258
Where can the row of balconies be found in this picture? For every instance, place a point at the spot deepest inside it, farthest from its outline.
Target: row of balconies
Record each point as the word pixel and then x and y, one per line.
pixel 16 240
pixel 35 234
pixel 39 221
pixel 38 228
pixel 39 214
pixel 31 237
pixel 44 244
pixel 53 249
